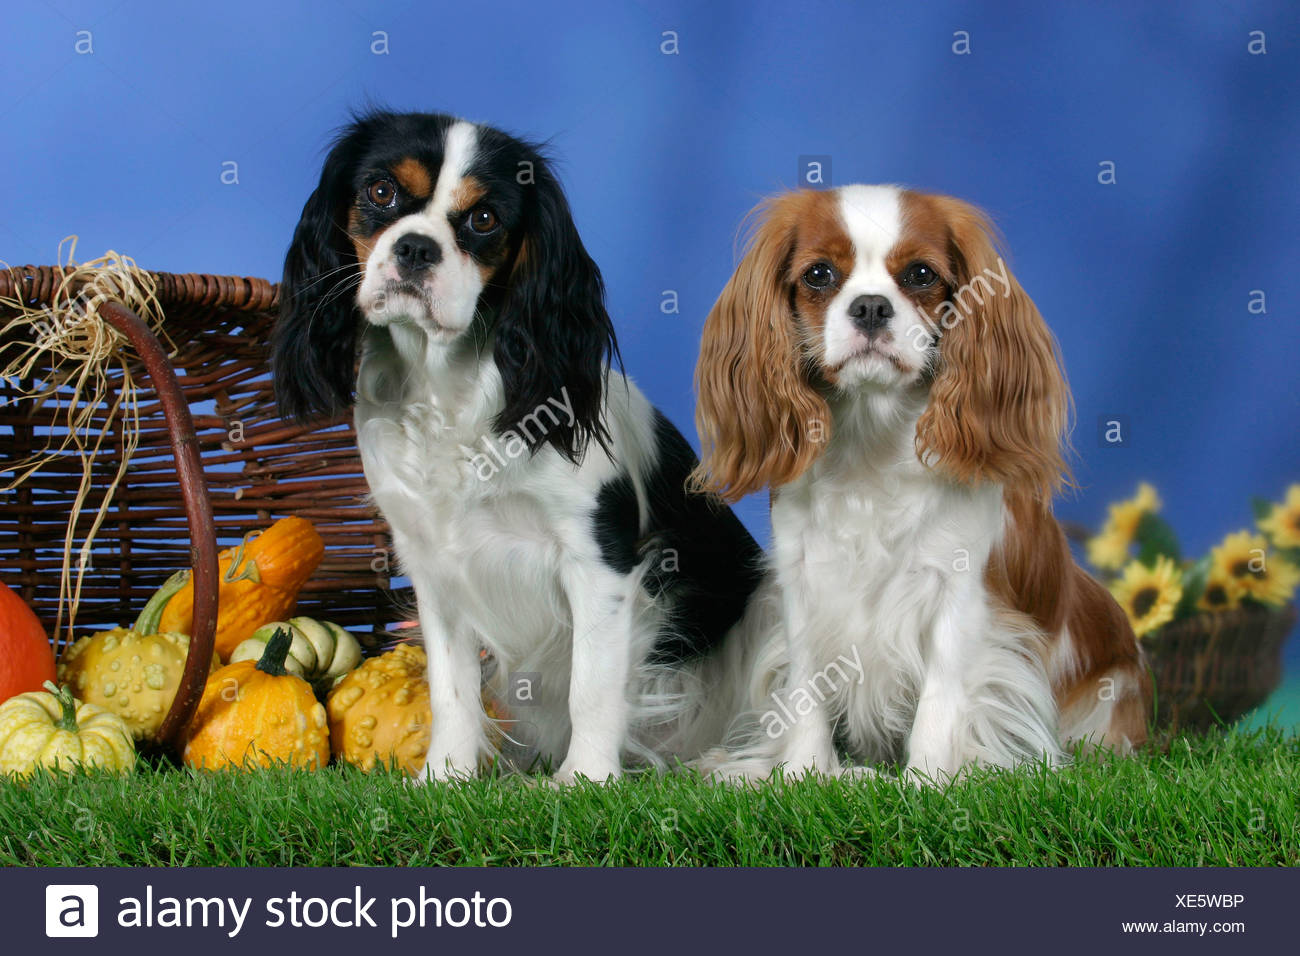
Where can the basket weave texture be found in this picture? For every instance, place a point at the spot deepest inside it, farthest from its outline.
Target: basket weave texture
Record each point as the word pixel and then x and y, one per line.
pixel 258 468
pixel 1217 667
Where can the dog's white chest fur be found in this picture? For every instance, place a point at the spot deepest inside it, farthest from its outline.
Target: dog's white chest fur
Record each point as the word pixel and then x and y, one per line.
pixel 497 541
pixel 894 640
pixel 449 487
pixel 877 555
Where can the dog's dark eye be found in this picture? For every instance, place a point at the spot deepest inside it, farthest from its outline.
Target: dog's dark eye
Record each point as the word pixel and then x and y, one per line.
pixel 819 275
pixel 382 192
pixel 918 275
pixel 482 220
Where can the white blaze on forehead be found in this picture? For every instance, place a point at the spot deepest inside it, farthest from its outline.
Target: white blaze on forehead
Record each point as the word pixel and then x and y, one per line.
pixel 457 154
pixel 448 292
pixel 873 218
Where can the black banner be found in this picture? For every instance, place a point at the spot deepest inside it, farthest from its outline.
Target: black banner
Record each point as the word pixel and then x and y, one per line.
pixel 654 911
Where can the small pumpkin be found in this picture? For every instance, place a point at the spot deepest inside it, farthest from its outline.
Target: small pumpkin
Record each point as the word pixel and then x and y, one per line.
pixel 255 713
pixel 132 672
pixel 319 651
pixel 26 658
pixel 51 729
pixel 259 582
pixel 380 711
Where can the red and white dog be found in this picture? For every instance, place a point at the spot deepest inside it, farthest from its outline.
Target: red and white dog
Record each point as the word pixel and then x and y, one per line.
pixel 876 365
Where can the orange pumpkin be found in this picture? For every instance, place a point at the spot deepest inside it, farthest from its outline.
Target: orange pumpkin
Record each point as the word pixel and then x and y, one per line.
pixel 255 713
pixel 26 658
pixel 259 582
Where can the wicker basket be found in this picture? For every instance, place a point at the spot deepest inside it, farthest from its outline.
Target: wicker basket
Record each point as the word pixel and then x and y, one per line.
pixel 1216 667
pixel 214 462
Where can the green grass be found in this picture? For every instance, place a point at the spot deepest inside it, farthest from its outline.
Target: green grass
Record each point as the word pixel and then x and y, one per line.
pixel 1224 799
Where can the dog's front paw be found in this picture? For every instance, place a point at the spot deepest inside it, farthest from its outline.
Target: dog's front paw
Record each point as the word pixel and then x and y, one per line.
pixel 597 771
pixel 811 765
pixel 722 766
pixel 446 770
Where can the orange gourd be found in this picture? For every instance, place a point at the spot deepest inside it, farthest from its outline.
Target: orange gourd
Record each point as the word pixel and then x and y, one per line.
pixel 26 658
pixel 255 713
pixel 259 582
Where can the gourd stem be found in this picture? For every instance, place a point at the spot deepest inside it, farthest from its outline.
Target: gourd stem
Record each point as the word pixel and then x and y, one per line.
pixel 68 721
pixel 277 649
pixel 251 571
pixel 151 616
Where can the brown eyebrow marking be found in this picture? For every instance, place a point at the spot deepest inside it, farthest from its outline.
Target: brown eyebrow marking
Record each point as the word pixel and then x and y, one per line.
pixel 819 234
pixel 467 194
pixel 414 178
pixel 925 235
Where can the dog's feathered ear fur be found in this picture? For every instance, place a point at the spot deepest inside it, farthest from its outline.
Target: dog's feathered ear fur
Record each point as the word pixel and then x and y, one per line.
pixel 553 336
pixel 313 356
pixel 760 418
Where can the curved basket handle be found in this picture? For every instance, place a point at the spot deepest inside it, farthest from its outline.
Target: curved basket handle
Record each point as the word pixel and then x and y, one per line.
pixel 198 512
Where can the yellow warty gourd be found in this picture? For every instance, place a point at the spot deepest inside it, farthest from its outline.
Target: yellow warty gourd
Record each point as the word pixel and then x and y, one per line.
pixel 380 712
pixel 132 672
pixel 133 675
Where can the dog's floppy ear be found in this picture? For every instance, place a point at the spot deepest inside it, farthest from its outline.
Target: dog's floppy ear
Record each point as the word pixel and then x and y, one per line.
pixel 761 420
pixel 999 405
pixel 553 336
pixel 313 356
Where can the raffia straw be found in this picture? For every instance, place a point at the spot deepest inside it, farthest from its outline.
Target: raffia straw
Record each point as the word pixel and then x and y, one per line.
pixel 62 354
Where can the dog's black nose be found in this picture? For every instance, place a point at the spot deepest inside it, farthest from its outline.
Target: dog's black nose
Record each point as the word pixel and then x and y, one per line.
pixel 414 252
pixel 870 313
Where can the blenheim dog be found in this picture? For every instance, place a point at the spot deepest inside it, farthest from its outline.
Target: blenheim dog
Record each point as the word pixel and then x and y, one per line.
pixel 874 363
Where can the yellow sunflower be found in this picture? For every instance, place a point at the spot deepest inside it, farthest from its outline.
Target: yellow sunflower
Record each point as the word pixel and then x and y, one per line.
pixel 1109 549
pixel 1222 591
pixel 1283 523
pixel 1244 557
pixel 1149 595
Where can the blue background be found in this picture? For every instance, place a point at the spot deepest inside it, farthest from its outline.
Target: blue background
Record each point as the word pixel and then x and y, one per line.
pixel 1146 282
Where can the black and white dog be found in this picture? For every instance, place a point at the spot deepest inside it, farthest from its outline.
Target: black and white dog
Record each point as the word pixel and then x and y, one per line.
pixel 537 500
